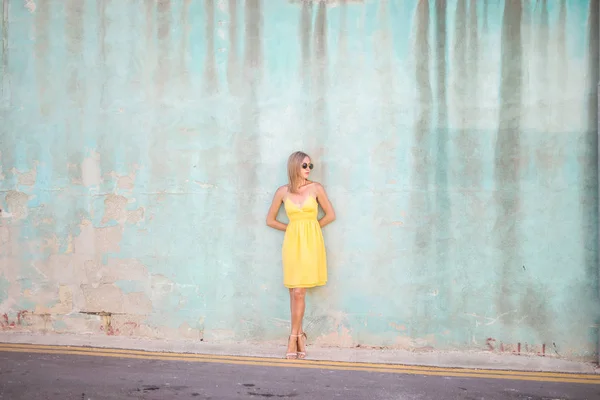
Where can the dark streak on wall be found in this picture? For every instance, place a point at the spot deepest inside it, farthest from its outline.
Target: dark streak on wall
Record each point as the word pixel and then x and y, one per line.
pixel 101 10
pixel 104 137
pixel 443 205
pixel 76 79
pixel 486 25
pixel 563 68
pixel 420 197
pixel 6 158
pixel 42 42
pixel 233 72
pixel 184 74
pixel 386 149
pixel 305 34
pixel 461 87
pixel 163 8
pixel 589 160
pixel 247 145
pixel 474 170
pixel 507 157
pixel 247 151
pixel 211 84
pixel 5 55
pixel 319 69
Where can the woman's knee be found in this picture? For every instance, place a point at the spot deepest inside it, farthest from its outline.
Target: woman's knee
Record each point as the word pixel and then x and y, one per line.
pixel 299 293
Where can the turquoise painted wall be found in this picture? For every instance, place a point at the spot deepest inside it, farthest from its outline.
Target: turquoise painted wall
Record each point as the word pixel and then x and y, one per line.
pixel 142 141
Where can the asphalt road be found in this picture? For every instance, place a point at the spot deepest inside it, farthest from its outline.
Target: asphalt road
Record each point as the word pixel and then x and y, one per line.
pixel 33 373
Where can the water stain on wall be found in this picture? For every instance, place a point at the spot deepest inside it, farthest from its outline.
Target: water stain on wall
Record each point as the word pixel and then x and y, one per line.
pixel 384 150
pixel 507 157
pixel 420 197
pixel 443 207
pixel 233 72
pixel 305 47
pixel 102 84
pixel 76 85
pixel 466 141
pixel 319 80
pixel 4 46
pixel 589 144
pixel 474 168
pixel 184 73
pixel 42 67
pixel 163 35
pixel 211 84
pixel 246 148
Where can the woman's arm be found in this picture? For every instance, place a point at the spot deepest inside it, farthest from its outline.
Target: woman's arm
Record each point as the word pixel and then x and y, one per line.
pixel 272 214
pixel 329 216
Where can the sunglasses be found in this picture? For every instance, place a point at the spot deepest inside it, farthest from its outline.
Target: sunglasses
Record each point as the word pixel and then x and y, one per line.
pixel 305 165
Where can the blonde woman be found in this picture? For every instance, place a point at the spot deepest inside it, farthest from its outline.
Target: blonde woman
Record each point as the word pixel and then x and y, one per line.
pixel 303 252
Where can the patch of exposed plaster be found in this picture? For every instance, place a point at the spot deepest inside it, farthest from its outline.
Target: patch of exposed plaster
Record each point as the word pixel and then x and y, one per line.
pixel 90 170
pixel 30 5
pixel 135 216
pixel 110 298
pixel 115 208
pixel 115 270
pixel 64 305
pixel 93 241
pixel 4 239
pixel 50 244
pixel 27 178
pixel 126 182
pixel 17 204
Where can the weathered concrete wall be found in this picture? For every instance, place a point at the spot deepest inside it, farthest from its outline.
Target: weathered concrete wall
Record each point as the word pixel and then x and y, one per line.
pixel 141 143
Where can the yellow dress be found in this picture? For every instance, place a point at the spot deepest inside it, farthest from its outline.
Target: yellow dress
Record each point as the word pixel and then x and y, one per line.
pixel 303 252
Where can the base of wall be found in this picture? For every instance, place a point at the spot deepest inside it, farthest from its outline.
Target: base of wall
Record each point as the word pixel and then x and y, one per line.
pixel 480 360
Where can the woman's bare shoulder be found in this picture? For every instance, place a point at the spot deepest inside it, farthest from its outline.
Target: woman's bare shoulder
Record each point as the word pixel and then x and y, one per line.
pixel 282 189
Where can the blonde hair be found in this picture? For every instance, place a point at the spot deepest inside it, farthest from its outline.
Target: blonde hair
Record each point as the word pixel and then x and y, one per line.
pixel 293 167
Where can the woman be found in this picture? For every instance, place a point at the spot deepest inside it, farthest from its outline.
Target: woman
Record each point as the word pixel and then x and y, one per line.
pixel 303 253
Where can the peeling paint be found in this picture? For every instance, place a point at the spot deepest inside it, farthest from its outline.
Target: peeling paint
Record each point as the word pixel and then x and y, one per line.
pixel 17 204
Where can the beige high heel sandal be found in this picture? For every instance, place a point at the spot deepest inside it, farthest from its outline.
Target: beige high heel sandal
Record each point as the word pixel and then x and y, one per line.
pixel 302 354
pixel 292 356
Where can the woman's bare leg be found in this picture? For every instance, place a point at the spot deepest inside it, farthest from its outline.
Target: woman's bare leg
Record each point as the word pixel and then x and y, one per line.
pixel 298 307
pixel 292 340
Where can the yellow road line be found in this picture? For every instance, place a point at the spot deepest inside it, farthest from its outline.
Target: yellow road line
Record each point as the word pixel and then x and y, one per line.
pixel 268 362
pixel 315 362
